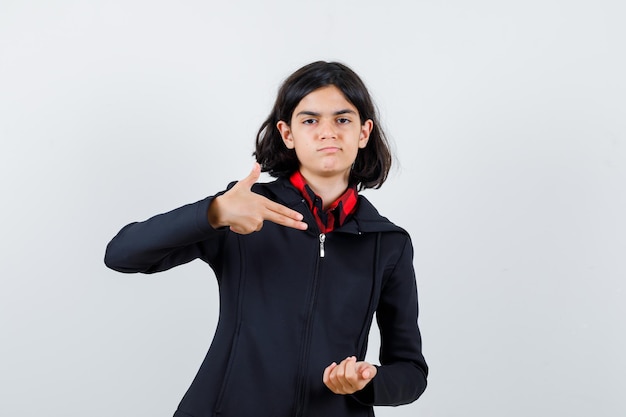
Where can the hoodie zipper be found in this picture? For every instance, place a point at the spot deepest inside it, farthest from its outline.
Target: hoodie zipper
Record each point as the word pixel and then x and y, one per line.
pixel 304 357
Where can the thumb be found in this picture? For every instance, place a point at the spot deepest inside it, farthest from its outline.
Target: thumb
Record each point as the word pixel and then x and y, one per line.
pixel 252 177
pixel 366 370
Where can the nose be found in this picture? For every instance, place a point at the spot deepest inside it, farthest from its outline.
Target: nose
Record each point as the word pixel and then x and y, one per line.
pixel 327 130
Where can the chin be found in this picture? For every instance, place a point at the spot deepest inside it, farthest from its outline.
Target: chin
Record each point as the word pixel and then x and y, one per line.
pixel 331 172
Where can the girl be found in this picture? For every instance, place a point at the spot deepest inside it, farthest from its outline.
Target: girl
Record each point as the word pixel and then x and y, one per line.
pixel 302 263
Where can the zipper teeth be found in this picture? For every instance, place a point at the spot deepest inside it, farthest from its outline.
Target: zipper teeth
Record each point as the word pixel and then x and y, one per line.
pixel 301 391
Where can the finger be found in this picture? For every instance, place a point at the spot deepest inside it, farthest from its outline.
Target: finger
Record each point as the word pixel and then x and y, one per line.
pixel 334 378
pixel 284 220
pixel 280 209
pixel 326 375
pixel 350 374
pixel 330 381
pixel 366 371
pixel 282 215
pixel 252 177
pixel 340 374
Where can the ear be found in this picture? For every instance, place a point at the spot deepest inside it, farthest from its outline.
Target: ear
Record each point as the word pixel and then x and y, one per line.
pixel 366 129
pixel 285 133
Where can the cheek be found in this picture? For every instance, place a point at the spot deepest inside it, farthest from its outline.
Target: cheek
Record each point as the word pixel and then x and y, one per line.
pixel 301 151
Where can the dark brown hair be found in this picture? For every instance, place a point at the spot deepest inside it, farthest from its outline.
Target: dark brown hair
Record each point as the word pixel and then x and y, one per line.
pixel 372 163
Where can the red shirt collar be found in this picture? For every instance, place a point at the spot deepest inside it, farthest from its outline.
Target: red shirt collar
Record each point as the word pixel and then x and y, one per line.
pixel 337 212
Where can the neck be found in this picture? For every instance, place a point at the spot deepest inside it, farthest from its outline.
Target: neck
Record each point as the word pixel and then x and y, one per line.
pixel 328 188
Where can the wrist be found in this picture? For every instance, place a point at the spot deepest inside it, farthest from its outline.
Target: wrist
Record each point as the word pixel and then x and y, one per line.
pixel 214 214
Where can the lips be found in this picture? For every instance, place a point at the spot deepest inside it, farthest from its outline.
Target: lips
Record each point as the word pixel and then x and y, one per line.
pixel 329 149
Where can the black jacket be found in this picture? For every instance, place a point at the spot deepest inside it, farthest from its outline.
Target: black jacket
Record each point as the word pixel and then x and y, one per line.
pixel 287 312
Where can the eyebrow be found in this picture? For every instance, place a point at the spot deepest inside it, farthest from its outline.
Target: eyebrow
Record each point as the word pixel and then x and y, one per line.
pixel 312 113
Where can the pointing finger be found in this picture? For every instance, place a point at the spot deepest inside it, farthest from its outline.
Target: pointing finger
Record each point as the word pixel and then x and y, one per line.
pixel 286 220
pixel 280 209
pixel 283 215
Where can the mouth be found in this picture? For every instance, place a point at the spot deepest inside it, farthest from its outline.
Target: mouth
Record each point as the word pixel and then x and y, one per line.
pixel 329 149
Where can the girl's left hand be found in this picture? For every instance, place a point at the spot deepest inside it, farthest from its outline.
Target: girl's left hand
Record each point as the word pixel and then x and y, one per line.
pixel 349 376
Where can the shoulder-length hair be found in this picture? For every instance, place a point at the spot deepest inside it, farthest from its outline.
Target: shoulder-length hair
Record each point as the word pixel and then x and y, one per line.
pixel 372 163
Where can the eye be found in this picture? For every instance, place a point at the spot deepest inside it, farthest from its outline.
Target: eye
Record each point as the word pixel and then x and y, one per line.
pixel 309 121
pixel 343 120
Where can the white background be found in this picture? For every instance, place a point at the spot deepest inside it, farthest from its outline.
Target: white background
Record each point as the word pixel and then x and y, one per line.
pixel 508 119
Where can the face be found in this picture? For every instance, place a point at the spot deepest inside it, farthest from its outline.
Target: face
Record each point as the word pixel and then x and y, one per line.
pixel 326 133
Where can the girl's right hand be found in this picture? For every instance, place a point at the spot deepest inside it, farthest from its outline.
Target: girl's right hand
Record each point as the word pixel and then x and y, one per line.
pixel 245 211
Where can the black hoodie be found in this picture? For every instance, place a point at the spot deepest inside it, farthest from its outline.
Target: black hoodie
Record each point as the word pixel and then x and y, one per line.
pixel 288 310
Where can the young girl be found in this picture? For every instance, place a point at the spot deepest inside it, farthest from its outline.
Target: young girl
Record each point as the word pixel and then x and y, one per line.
pixel 302 263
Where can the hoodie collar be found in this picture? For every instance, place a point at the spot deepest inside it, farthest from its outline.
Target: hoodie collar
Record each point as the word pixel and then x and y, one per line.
pixel 366 219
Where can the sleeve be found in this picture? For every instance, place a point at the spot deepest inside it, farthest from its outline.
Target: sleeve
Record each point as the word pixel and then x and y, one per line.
pixel 166 240
pixel 401 377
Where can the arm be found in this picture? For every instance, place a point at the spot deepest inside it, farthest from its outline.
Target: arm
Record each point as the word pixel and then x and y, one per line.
pixel 165 240
pixel 401 378
pixel 191 231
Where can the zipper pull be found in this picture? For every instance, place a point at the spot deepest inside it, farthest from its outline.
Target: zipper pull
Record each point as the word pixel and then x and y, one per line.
pixel 322 240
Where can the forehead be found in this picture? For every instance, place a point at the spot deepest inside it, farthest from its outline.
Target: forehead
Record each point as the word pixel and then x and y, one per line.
pixel 328 98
